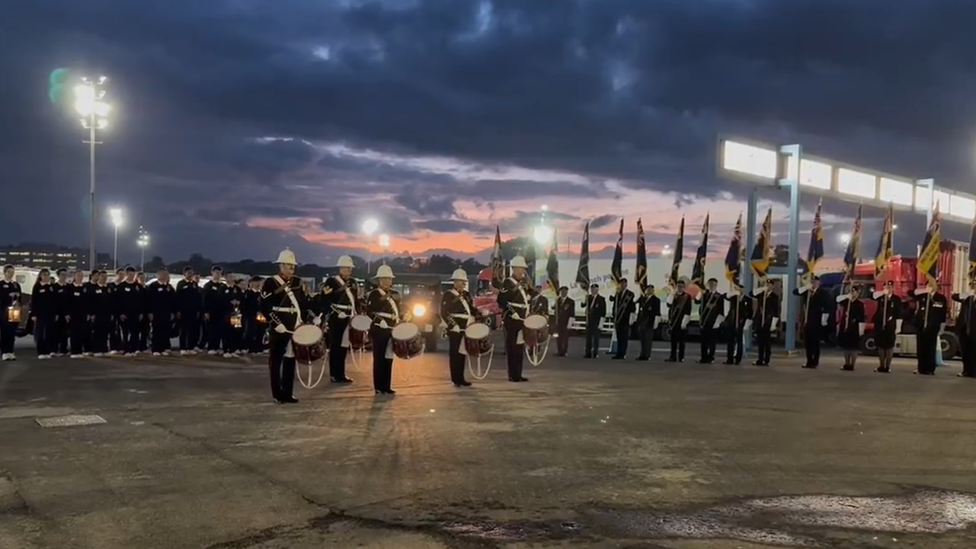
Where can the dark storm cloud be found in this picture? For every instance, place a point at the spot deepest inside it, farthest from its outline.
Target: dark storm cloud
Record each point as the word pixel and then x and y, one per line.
pixel 453 226
pixel 634 90
pixel 603 221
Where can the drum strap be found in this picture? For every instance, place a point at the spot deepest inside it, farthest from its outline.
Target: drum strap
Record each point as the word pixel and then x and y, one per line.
pixel 294 301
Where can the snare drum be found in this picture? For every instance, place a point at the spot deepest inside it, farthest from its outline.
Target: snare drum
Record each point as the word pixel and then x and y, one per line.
pixel 358 328
pixel 535 330
pixel 477 339
pixel 308 344
pixel 407 341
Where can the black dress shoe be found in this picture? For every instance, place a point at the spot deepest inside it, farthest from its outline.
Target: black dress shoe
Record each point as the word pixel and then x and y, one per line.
pixel 290 400
pixel 345 380
pixel 643 358
pixel 881 370
pixel 670 360
pixel 514 379
pixel 278 401
pixel 465 383
pixel 523 379
pixel 390 392
pixel 728 362
pixel 335 380
pixel 617 357
pixel 587 356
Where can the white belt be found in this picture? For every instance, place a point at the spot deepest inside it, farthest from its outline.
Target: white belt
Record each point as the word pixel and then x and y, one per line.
pixel 284 309
pixel 459 315
pixel 345 307
pixel 385 315
pixel 520 305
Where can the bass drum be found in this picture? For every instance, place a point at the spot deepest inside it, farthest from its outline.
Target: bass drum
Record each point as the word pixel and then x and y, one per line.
pixel 308 344
pixel 407 341
pixel 535 330
pixel 477 339
pixel 358 328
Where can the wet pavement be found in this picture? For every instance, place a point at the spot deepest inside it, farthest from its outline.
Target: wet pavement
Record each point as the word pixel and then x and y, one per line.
pixel 615 454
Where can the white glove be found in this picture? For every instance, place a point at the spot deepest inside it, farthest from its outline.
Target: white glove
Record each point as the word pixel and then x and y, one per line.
pixel 860 328
pixel 878 294
pixel 718 322
pixel 685 321
pixel 316 321
pixel 456 329
pixel 773 324
pixel 747 324
pixel 898 326
pixel 803 289
pixel 280 328
pixel 922 291
pixel 823 319
pixel 515 316
pixel 633 318
pixel 843 298
pixel 657 321
pixel 383 324
pixel 343 315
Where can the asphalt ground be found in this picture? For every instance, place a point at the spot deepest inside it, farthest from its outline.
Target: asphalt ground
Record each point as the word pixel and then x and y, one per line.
pixel 588 453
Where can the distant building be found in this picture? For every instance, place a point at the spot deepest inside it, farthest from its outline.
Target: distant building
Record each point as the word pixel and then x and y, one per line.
pixel 51 256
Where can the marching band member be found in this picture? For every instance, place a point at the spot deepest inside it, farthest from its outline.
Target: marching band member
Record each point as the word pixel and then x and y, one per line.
pixel 100 306
pixel 216 311
pixel 737 321
pixel 78 309
pixel 234 338
pixel 161 303
pixel 649 311
pixel 458 312
pixel 144 323
pixel 514 300
pixel 383 306
pixel 61 325
pixel 128 298
pixel 340 305
pixel 10 300
pixel 623 307
pixel 930 318
pixel 711 311
pixel 679 315
pixel 250 308
pixel 765 319
pixel 283 303
pixel 850 328
pixel 596 311
pixel 816 315
pixel 540 303
pixel 887 325
pixel 966 329
pixel 565 310
pixel 190 303
pixel 116 342
pixel 43 313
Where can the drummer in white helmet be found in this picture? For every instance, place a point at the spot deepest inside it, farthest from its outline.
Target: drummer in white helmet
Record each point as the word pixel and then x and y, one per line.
pixel 514 299
pixel 458 312
pixel 339 304
pixel 383 306
pixel 283 304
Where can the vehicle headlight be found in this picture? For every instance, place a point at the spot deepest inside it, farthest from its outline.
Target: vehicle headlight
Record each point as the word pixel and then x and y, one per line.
pixel 419 309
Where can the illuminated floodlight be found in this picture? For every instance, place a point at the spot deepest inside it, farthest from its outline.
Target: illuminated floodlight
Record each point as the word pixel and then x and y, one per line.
pixel 750 160
pixel 542 234
pixel 856 183
pixel 960 206
pixel 845 238
pixel 812 173
pixel 116 216
pixel 370 226
pixel 897 192
pixel 384 241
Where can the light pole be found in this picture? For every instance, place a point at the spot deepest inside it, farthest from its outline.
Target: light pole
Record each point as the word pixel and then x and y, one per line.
pixel 116 215
pixel 370 226
pixel 142 242
pixel 384 245
pixel 94 112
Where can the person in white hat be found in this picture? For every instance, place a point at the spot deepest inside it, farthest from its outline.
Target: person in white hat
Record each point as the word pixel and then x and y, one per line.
pixel 458 312
pixel 338 303
pixel 514 299
pixel 283 304
pixel 383 306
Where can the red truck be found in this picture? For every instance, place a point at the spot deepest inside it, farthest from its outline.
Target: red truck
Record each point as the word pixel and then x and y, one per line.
pixel 486 299
pixel 903 271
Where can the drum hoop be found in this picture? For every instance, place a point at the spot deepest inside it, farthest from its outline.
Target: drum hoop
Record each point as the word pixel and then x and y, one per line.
pixel 406 325
pixel 295 336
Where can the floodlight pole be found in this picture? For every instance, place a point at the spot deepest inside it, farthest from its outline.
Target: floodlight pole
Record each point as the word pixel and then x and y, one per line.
pixel 747 282
pixel 791 155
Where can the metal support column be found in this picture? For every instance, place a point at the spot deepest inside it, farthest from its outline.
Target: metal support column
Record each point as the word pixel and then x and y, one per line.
pixel 792 154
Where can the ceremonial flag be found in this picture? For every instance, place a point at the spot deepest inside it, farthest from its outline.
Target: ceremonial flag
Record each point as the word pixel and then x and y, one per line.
pixel 816 249
pixel 641 275
pixel 886 245
pixel 552 265
pixel 679 251
pixel 497 261
pixel 529 254
pixel 583 270
pixel 760 252
pixel 698 269
pixel 733 257
pixel 972 254
pixel 928 260
pixel 616 266
pixel 853 253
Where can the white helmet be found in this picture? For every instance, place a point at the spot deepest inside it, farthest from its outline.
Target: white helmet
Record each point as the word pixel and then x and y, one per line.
pixel 384 272
pixel 519 261
pixel 460 275
pixel 345 261
pixel 286 257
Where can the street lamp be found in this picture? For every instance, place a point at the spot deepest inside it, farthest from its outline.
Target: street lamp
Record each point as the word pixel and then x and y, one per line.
pixel 666 251
pixel 845 238
pixel 384 241
pixel 370 226
pixel 542 234
pixel 143 242
pixel 94 111
pixel 116 215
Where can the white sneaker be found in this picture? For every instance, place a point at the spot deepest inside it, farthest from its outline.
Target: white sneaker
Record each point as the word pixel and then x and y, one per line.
pixel 77 356
pixel 43 357
pixel 165 353
pixel 157 354
pixel 214 353
pixel 89 354
pixel 99 354
pixel 113 353
pixel 228 355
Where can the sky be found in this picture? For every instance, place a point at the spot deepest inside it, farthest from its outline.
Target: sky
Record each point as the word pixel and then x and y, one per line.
pixel 240 127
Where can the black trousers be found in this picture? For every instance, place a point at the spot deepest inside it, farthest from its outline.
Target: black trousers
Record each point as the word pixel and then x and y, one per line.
pixel 967 344
pixel 514 352
pixel 927 341
pixel 811 341
pixel 456 360
pixel 61 335
pixel 592 340
pixel 764 344
pixel 646 333
pixel 562 341
pixel 708 337
pixel 98 332
pixel 337 353
pixel 189 330
pixel 678 338
pixel 281 368
pixel 44 335
pixel 622 330
pixel 735 345
pixel 215 331
pixel 116 339
pixel 144 328
pixel 8 334
pixel 382 366
pixel 131 333
pixel 161 326
pixel 233 338
pixel 253 335
pixel 79 330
